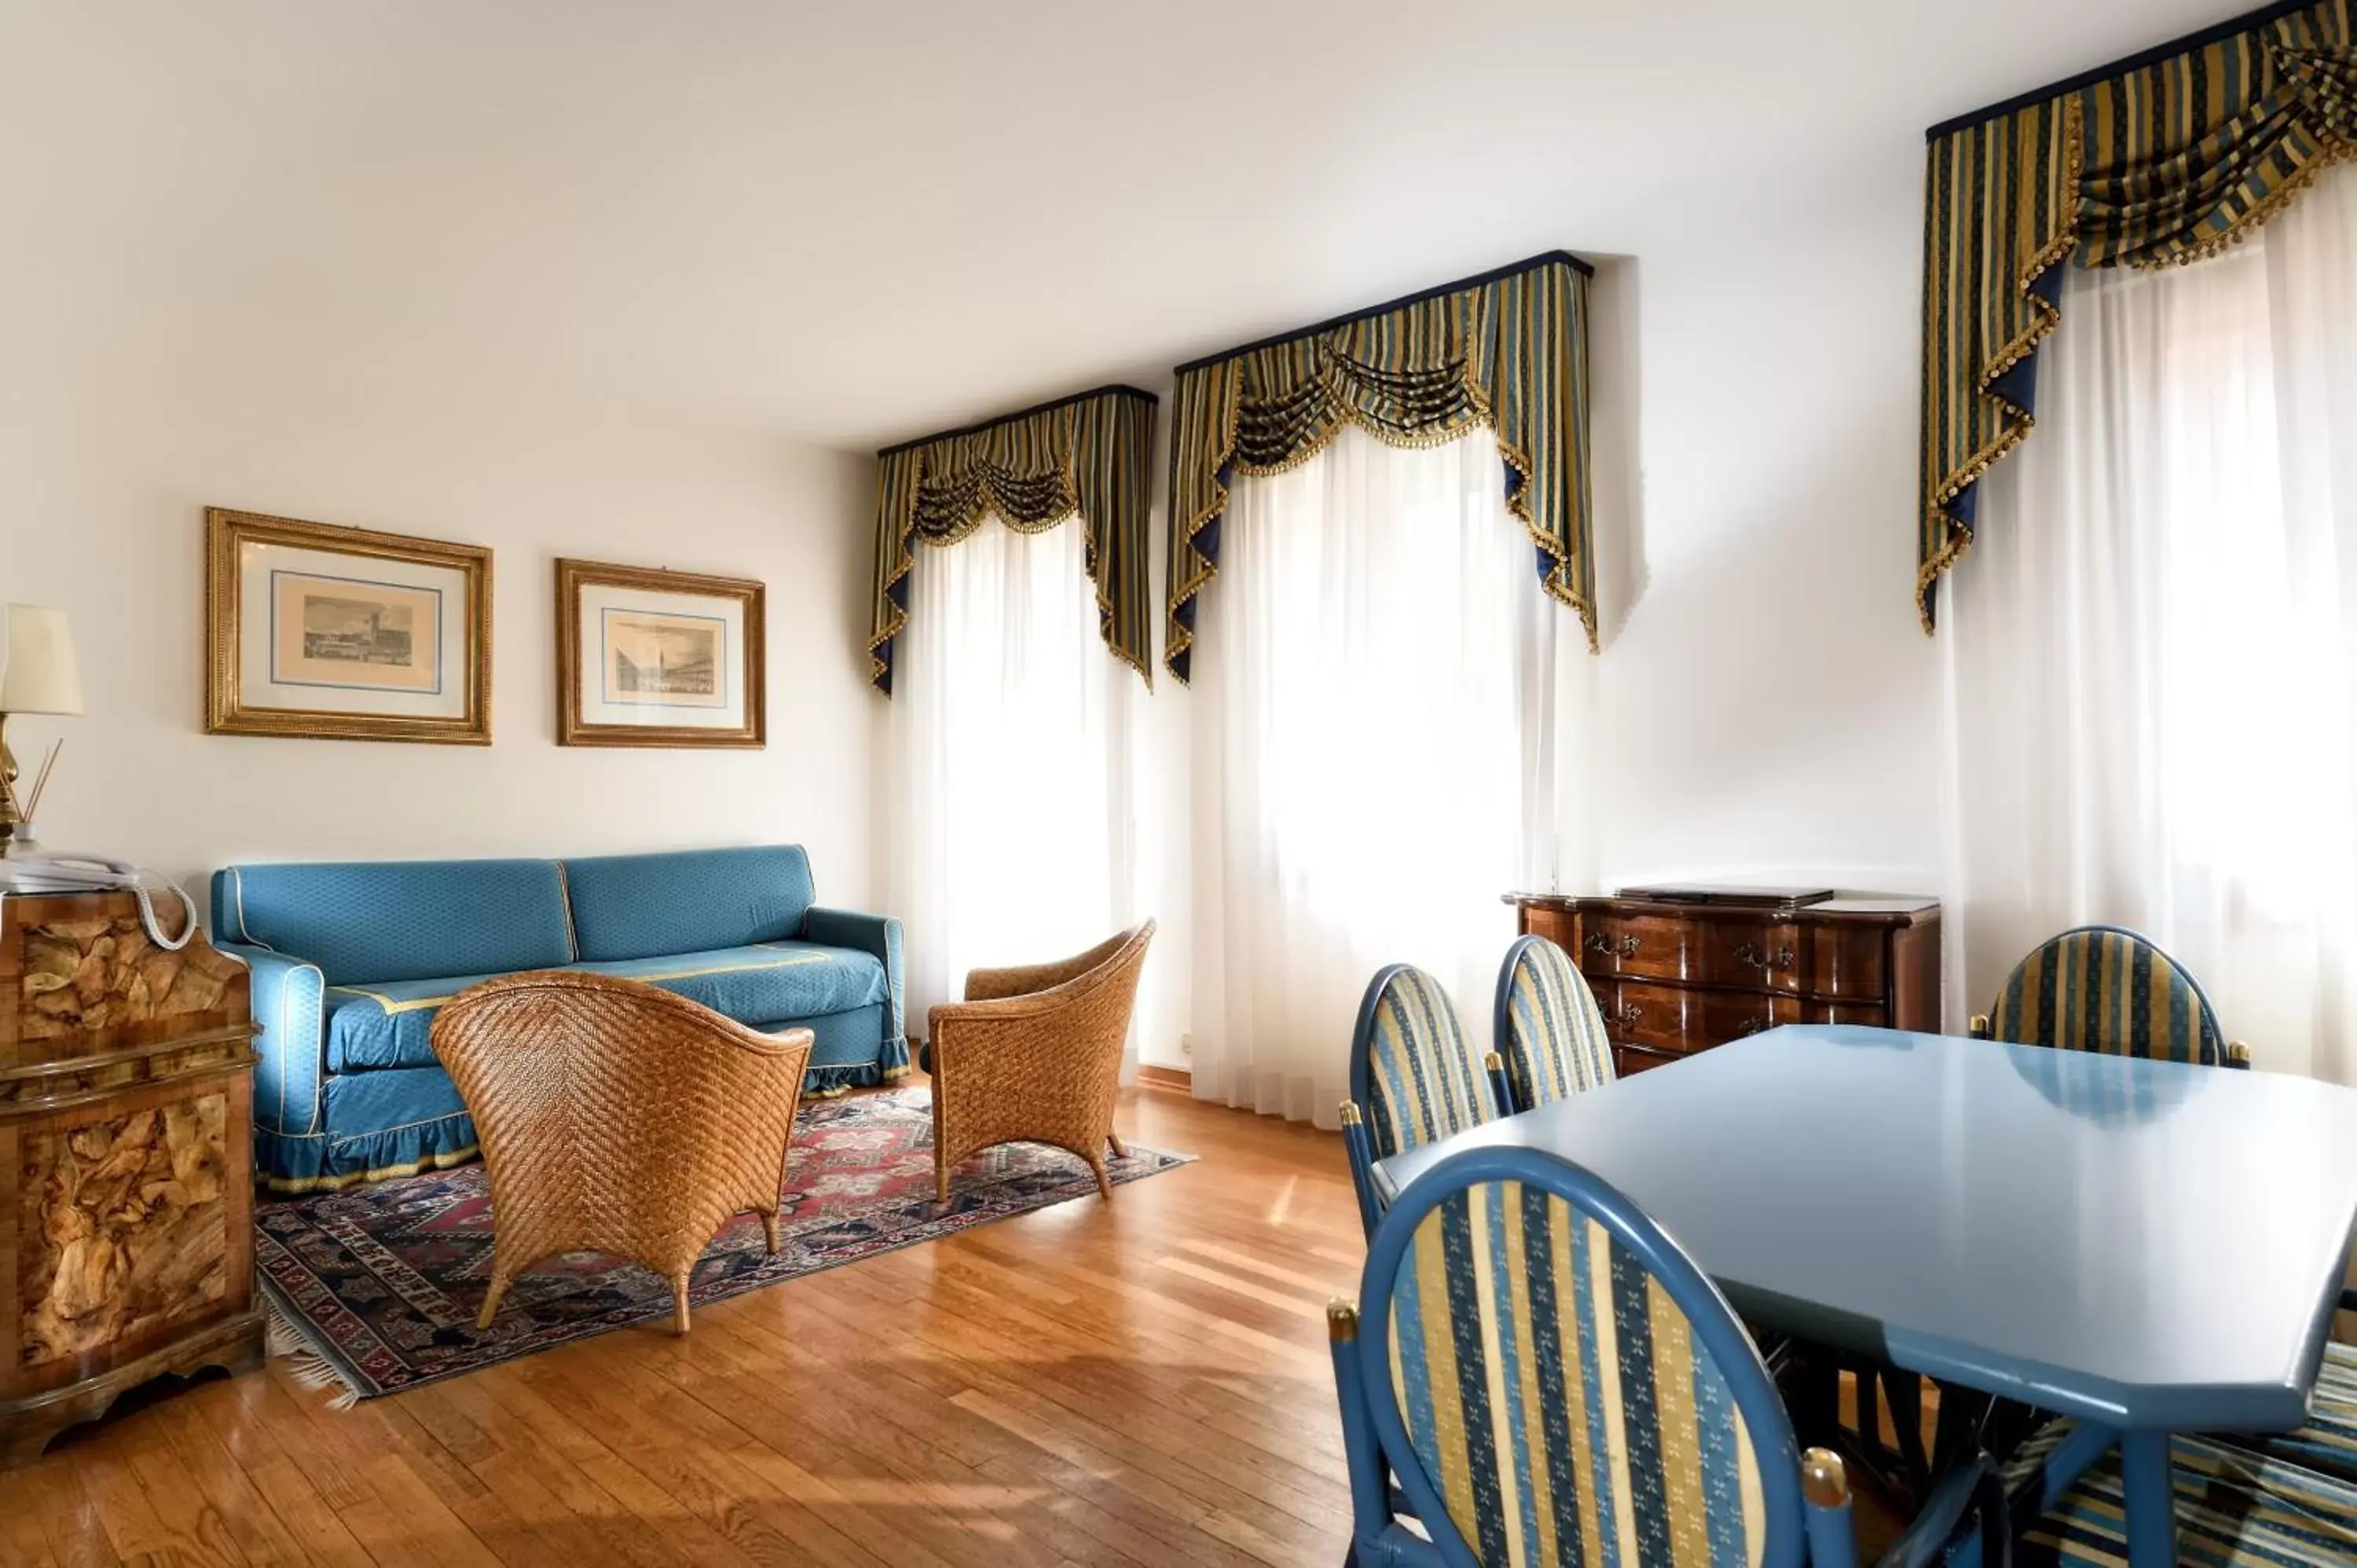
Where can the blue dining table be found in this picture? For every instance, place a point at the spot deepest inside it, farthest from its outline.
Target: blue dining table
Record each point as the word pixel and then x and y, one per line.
pixel 2150 1247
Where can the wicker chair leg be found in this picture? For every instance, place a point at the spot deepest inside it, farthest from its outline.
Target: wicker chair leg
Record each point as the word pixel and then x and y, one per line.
pixel 769 1231
pixel 1120 1149
pixel 940 1178
pixel 1104 1181
pixel 492 1300
pixel 679 1302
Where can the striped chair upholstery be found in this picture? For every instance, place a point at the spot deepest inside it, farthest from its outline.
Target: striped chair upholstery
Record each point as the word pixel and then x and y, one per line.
pixel 2235 1510
pixel 1560 1400
pixel 1549 1029
pixel 1414 1074
pixel 2024 1465
pixel 2102 988
pixel 1555 1384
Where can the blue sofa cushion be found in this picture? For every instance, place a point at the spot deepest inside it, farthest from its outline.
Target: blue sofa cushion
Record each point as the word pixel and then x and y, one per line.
pixel 368 921
pixel 768 983
pixel 647 906
pixel 385 1023
pixel 390 1024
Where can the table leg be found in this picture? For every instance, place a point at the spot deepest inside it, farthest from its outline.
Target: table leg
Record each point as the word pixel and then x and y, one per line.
pixel 2149 1496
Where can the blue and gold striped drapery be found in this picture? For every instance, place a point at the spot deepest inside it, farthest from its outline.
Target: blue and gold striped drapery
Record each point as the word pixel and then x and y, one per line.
pixel 1507 349
pixel 2159 160
pixel 1090 454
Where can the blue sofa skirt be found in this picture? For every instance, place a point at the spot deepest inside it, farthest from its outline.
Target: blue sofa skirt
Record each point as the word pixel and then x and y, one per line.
pixel 850 1050
pixel 396 1121
pixel 375 1125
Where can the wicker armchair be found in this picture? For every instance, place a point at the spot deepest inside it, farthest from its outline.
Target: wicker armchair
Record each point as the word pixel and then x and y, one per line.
pixel 618 1118
pixel 1033 1055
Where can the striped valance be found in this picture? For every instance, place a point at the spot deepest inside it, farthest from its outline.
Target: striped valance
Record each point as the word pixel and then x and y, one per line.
pixel 2162 159
pixel 1507 349
pixel 1088 454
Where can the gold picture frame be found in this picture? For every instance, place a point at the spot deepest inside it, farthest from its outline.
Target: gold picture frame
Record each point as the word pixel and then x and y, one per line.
pixel 322 632
pixel 677 658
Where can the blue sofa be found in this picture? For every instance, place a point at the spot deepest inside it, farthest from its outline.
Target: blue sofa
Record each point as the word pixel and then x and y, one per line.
pixel 350 962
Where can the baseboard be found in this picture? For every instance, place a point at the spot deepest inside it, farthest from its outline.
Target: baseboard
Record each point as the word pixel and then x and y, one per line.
pixel 1173 1077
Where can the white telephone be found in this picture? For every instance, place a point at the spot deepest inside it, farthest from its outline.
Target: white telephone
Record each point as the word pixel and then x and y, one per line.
pixel 66 873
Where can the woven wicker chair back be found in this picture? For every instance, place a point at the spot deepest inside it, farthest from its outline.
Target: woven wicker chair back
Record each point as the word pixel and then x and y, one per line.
pixel 1033 1054
pixel 617 1117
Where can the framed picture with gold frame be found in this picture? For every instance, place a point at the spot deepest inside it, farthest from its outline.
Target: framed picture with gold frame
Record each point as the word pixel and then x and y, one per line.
pixel 649 657
pixel 330 633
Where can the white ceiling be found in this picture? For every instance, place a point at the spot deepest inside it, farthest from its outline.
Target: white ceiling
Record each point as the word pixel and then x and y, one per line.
pixel 851 222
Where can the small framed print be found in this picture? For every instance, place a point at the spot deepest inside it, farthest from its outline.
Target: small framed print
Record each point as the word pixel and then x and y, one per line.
pixel 331 633
pixel 646 657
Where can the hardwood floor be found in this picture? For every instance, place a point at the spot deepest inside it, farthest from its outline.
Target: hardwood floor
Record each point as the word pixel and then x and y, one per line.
pixel 1143 1381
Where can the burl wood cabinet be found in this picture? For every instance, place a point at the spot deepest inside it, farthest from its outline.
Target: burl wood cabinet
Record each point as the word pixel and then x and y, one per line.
pixel 127 1220
pixel 1678 976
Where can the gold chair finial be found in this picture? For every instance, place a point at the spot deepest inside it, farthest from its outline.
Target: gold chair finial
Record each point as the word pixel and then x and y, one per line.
pixel 1341 1321
pixel 1349 1113
pixel 1493 1062
pixel 1823 1480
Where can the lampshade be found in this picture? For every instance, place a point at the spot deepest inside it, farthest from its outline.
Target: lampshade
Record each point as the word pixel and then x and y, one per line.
pixel 39 676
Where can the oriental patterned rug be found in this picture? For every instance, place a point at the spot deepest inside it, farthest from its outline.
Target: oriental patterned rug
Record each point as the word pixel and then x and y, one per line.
pixel 375 1289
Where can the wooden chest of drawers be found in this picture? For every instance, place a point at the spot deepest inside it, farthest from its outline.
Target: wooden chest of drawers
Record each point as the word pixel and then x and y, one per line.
pixel 1674 978
pixel 127 1216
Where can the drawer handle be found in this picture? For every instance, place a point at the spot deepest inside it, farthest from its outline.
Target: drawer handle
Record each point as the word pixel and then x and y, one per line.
pixel 1629 1015
pixel 1754 955
pixel 1752 1026
pixel 1603 946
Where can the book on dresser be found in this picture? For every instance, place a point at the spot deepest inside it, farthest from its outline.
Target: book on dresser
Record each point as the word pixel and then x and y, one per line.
pixel 1678 968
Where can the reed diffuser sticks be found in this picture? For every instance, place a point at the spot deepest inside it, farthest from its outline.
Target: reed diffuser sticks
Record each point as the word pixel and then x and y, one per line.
pixel 32 804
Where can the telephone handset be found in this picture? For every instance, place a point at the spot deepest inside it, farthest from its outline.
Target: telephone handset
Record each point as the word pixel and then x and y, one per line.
pixel 45 873
pixel 68 872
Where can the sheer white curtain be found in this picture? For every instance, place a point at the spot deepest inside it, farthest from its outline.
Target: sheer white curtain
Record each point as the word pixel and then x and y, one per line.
pixel 1008 821
pixel 2151 659
pixel 1373 722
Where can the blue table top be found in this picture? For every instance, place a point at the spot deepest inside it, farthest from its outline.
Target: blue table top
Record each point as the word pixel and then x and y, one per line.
pixel 2143 1244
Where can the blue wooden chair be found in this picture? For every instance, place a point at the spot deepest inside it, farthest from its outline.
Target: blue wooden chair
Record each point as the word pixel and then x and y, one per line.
pixel 1548 1028
pixel 1554 1382
pixel 2110 990
pixel 1414 1076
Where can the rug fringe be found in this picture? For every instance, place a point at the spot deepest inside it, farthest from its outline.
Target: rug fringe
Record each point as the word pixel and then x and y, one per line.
pixel 286 1343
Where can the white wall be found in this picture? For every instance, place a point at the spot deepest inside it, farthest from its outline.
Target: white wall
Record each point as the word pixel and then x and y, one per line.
pixel 1764 705
pixel 1766 697
pixel 168 338
pixel 283 262
pixel 129 413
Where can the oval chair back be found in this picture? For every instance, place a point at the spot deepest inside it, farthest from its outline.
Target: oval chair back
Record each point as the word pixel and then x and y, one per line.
pixel 1414 1076
pixel 1548 1028
pixel 1553 1382
pixel 2109 990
